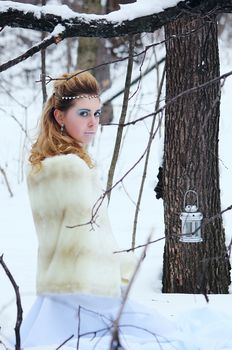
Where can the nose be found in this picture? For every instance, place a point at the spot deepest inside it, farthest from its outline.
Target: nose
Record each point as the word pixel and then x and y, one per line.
pixel 93 121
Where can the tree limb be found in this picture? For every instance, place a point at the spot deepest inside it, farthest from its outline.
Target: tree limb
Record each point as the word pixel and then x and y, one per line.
pixel 47 17
pixel 51 39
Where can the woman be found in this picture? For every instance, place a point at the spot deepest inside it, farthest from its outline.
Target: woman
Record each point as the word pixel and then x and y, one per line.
pixel 78 277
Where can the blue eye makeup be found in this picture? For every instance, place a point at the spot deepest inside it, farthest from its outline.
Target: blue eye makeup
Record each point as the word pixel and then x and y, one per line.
pixel 84 112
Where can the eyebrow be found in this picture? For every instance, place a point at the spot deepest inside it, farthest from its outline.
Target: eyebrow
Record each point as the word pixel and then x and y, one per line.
pixel 84 109
pixel 89 110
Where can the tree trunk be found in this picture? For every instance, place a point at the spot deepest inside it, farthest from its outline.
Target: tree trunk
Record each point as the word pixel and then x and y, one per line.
pixel 88 47
pixel 191 158
pixel 92 52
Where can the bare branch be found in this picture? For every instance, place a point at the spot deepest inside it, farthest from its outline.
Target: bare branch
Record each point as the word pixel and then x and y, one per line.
pixel 100 200
pixel 18 304
pixel 139 246
pixel 4 345
pixel 121 59
pixel 186 92
pixel 98 203
pixel 64 342
pixel 207 220
pixel 18 122
pixel 51 39
pixel 115 336
pixel 2 171
pixel 134 55
pixel 204 222
pixel 229 248
pixel 79 326
pixel 134 81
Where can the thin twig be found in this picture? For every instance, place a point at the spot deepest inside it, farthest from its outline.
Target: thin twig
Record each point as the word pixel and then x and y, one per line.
pixel 128 194
pixel 115 336
pixel 204 222
pixel 229 248
pixel 133 82
pixel 143 52
pixel 4 345
pixel 79 326
pixel 139 246
pixel 100 200
pixel 6 181
pixel 173 99
pixel 64 342
pixel 19 317
pixel 18 122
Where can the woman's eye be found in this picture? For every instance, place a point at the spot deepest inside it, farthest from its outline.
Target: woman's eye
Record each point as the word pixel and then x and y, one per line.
pixel 97 114
pixel 83 113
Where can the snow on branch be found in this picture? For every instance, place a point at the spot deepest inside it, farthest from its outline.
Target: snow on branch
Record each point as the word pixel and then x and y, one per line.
pixel 142 16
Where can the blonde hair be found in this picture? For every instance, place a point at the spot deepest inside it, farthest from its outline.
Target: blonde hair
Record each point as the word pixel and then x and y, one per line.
pixel 50 140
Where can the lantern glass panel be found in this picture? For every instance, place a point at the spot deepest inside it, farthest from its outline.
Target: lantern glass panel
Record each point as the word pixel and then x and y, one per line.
pixel 188 228
pixel 198 228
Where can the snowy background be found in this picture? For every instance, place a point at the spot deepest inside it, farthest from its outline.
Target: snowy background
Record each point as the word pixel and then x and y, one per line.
pixel 21 99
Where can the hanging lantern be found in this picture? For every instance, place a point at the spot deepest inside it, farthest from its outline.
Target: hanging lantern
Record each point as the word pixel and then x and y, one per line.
pixel 191 221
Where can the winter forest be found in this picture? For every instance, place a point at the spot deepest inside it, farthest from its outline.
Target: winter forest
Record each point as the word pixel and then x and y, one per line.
pixel 162 150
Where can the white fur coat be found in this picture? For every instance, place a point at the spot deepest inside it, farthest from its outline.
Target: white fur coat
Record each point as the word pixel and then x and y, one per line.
pixel 63 193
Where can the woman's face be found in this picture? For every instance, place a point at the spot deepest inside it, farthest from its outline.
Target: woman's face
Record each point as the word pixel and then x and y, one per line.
pixel 82 119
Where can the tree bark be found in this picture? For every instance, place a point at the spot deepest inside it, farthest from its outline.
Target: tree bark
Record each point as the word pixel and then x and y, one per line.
pixel 191 158
pixel 88 47
pixel 93 52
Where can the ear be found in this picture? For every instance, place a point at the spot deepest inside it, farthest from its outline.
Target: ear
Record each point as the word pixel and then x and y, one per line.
pixel 59 116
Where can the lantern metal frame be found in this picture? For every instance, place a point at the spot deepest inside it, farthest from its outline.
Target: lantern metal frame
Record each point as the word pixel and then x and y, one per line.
pixel 191 221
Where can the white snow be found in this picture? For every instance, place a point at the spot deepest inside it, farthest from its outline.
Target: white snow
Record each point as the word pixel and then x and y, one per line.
pixel 139 9
pixel 58 29
pixel 127 12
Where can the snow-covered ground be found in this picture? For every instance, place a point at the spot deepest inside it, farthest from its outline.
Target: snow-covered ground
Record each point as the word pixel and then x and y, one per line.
pixel 209 324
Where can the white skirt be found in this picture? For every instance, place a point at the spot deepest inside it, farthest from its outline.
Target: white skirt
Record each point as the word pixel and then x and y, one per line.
pixel 86 322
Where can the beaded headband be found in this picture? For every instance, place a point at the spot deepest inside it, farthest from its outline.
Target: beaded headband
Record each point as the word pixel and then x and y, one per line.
pixel 79 96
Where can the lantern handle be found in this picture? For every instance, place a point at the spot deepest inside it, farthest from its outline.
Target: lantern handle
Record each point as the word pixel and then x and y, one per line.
pixel 185 196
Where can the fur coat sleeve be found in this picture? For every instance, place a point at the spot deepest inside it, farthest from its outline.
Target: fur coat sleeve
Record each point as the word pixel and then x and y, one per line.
pixel 63 193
